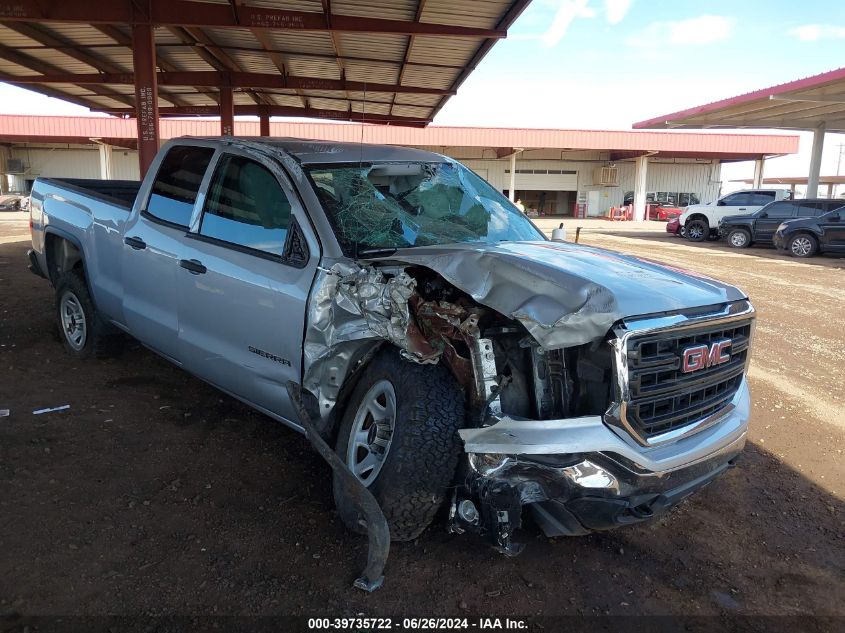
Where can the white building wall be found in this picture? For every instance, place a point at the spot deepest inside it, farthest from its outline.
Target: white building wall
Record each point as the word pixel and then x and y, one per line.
pixel 700 177
pixel 64 162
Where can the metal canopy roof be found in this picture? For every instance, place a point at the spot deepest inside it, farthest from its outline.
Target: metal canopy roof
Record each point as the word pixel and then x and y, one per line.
pixel 384 61
pixel 798 105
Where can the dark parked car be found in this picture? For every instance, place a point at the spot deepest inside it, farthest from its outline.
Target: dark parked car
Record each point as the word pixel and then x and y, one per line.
pixel 808 236
pixel 743 230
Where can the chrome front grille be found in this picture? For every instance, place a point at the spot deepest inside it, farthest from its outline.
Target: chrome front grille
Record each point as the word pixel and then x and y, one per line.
pixel 658 401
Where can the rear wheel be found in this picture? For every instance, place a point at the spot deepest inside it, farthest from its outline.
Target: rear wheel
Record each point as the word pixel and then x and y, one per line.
pixel 697 230
pixel 83 332
pixel 399 437
pixel 739 238
pixel 803 245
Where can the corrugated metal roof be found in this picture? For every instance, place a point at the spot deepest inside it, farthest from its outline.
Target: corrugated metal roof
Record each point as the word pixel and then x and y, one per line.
pixel 799 105
pixel 667 143
pixel 385 49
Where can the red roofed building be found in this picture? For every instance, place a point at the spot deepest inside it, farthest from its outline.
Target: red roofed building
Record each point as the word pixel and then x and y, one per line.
pixel 551 171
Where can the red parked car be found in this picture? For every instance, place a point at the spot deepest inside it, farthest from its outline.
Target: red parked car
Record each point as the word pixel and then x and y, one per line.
pixel 661 211
pixel 674 227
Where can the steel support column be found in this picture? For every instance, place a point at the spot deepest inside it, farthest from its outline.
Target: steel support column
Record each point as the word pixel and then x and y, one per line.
pixel 264 120
pixel 146 94
pixel 759 165
pixel 511 192
pixel 815 162
pixel 106 170
pixel 640 176
pixel 227 111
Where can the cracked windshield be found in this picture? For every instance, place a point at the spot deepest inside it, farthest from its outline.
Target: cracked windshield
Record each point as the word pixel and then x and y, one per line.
pixel 399 205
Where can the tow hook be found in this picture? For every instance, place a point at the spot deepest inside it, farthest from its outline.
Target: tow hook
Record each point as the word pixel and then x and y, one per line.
pixel 370 514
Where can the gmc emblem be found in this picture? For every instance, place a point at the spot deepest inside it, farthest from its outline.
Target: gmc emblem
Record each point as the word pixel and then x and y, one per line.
pixel 703 356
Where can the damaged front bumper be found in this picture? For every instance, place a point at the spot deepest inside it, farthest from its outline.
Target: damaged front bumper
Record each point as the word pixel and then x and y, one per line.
pixel 580 475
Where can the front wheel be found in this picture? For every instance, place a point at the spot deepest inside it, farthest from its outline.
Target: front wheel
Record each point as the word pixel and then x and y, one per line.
pixel 697 231
pixel 803 245
pixel 399 437
pixel 739 238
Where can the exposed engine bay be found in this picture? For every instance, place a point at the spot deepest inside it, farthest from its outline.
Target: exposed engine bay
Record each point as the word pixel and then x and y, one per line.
pixel 504 372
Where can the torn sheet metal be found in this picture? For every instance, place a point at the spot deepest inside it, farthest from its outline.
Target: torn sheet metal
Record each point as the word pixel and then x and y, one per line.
pixel 353 307
pixel 565 294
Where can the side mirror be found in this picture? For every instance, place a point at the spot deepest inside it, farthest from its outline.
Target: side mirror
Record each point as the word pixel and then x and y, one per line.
pixel 721 203
pixel 763 215
pixel 835 218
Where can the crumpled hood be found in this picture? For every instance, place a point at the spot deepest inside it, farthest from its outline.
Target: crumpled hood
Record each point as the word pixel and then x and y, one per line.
pixel 566 294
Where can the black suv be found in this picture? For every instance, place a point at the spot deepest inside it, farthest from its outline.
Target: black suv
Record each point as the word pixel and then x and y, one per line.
pixel 743 230
pixel 806 237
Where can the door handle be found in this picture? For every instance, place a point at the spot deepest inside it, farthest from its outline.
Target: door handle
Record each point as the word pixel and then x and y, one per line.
pixel 135 242
pixel 194 266
pixel 742 208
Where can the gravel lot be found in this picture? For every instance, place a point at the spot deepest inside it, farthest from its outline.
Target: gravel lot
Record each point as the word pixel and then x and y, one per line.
pixel 155 494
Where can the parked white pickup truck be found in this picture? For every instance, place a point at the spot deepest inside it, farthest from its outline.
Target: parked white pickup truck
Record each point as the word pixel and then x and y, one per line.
pixel 701 221
pixel 424 327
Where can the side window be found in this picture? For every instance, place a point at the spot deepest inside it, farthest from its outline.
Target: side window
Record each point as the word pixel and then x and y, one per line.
pixel 177 183
pixel 780 210
pixel 246 206
pixel 811 209
pixel 763 197
pixel 738 199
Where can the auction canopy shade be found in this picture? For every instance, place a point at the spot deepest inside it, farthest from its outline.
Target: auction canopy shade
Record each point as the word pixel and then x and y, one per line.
pixel 383 61
pixel 806 104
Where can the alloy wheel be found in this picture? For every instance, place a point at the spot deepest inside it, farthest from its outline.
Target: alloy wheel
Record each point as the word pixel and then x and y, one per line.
pixel 74 325
pixel 801 246
pixel 372 432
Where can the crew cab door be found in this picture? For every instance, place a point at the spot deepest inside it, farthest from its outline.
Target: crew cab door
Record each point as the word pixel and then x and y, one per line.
pixel 154 242
pixel 244 283
pixel 833 231
pixel 771 218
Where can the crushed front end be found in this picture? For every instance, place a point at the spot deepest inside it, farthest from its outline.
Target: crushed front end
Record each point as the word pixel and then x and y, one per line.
pixel 608 433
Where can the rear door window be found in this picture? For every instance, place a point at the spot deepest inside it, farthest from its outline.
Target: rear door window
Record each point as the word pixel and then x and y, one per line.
pixel 762 197
pixel 176 185
pixel 246 206
pixel 739 199
pixel 780 210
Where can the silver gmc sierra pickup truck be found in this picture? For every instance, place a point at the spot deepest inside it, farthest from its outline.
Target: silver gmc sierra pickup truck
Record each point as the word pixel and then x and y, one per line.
pixel 449 353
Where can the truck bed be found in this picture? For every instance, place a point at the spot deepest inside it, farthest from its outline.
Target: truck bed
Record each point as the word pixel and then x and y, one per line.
pixel 118 192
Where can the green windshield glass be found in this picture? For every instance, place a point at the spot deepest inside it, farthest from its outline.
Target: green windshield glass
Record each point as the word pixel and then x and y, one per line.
pixel 399 205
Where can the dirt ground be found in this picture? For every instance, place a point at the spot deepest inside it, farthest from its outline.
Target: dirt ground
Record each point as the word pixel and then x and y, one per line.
pixel 156 494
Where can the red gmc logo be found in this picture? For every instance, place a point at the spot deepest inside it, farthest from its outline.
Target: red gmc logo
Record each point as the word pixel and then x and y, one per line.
pixel 703 356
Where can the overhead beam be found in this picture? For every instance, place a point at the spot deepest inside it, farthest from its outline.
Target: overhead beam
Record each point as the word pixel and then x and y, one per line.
pixel 125 41
pixel 275 110
pixel 279 60
pixel 232 79
pixel 206 14
pixel 106 29
pixel 39 66
pixel 95 61
pixel 833 125
pixel 809 99
pixel 213 55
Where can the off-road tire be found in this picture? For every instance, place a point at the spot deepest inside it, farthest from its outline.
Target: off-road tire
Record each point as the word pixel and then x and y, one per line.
pixel 102 340
pixel 420 464
pixel 793 249
pixel 697 230
pixel 739 238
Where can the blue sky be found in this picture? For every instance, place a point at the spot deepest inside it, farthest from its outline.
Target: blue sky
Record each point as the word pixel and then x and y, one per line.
pixel 608 63
pixel 604 64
